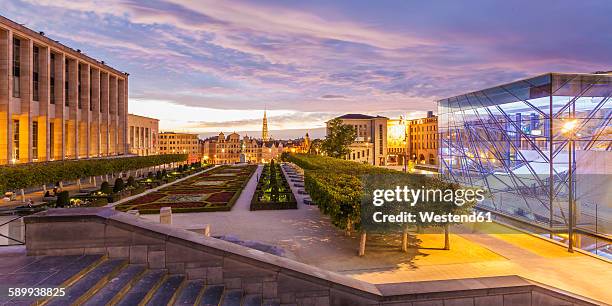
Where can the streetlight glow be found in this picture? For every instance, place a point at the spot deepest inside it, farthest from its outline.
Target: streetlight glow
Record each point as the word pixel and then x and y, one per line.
pixel 569 126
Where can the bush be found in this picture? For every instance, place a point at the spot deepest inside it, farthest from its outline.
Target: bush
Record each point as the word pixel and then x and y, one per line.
pixel 119 185
pixel 158 175
pixel 63 199
pixel 336 186
pixel 132 182
pixel 19 176
pixel 105 188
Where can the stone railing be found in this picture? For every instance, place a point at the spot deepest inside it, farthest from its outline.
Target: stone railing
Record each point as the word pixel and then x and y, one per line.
pixel 121 235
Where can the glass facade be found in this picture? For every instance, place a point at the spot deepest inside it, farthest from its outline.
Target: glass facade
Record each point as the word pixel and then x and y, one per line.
pixel 514 141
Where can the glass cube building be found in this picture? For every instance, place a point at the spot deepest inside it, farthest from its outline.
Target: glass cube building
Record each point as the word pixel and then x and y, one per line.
pixel 514 139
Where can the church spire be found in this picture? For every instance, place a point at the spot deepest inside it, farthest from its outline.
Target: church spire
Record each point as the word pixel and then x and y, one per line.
pixel 264 130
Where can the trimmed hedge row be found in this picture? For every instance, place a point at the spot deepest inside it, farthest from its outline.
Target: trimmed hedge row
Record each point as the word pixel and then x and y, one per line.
pixel 336 186
pixel 14 177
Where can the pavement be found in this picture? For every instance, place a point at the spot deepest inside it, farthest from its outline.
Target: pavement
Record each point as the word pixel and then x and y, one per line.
pixel 308 236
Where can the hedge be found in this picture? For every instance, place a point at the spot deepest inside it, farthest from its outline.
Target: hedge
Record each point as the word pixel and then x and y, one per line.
pixel 336 186
pixel 19 176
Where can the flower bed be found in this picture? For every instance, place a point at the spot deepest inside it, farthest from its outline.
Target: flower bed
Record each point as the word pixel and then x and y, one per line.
pixel 215 190
pixel 273 191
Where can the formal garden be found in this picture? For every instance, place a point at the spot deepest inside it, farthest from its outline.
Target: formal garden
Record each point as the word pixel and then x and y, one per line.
pixel 273 191
pixel 215 190
pixel 121 188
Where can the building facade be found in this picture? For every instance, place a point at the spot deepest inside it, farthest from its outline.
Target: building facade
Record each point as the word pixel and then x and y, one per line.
pixel 423 140
pixel 181 143
pixel 143 135
pixel 55 102
pixel 527 142
pixel 231 149
pixel 370 145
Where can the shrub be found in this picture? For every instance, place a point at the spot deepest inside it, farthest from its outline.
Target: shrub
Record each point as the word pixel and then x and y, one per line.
pixel 63 199
pixel 132 182
pixel 336 186
pixel 158 175
pixel 119 185
pixel 19 176
pixel 105 188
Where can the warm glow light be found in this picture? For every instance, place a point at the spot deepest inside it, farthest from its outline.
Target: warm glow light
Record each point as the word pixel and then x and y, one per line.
pixel 569 126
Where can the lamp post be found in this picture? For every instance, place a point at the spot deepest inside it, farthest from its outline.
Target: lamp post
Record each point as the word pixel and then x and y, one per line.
pixel 568 129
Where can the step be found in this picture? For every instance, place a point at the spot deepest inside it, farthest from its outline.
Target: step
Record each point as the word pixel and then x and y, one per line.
pixel 191 293
pixel 89 283
pixel 252 300
pixel 167 291
pixel 144 288
pixel 76 269
pixel 271 303
pixel 212 295
pixel 232 297
pixel 117 285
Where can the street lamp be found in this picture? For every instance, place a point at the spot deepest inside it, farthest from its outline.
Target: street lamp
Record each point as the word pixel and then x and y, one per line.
pixel 568 130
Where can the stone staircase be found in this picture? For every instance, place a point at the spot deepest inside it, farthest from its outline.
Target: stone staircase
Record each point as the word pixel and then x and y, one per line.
pixel 98 280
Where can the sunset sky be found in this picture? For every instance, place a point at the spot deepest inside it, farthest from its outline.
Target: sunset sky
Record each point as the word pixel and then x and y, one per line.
pixel 208 66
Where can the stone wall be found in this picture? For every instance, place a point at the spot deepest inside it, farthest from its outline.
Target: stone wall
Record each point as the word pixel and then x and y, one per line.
pixel 121 235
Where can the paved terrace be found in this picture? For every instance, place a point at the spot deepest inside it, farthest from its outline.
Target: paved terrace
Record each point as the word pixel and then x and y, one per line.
pixel 307 236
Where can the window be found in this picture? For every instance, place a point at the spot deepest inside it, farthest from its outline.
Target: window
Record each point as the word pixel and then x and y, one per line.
pixel 52 79
pixel 35 69
pixel 16 140
pixel 35 139
pixel 16 67
pixel 380 139
pixel 51 137
pixel 132 136
pixel 66 86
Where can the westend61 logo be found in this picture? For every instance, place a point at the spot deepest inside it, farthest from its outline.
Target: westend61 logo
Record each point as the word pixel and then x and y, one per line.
pixel 393 201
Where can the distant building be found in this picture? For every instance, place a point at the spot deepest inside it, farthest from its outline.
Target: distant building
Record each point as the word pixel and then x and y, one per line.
pixel 231 149
pixel 423 139
pixel 300 145
pixel 143 135
pixel 370 145
pixel 57 103
pixel 181 143
pixel 382 141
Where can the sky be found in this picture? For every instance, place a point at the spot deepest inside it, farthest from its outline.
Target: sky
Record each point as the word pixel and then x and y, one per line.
pixel 207 66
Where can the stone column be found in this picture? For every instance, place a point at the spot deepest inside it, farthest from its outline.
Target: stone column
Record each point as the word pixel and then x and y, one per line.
pixel 94 124
pixel 25 117
pixel 74 115
pixel 104 114
pixel 44 118
pixel 6 66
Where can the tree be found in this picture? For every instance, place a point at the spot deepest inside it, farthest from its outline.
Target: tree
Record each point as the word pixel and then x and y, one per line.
pixel 315 146
pixel 119 185
pixel 339 137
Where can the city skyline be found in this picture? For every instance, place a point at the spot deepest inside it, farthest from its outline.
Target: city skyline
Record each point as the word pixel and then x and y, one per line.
pixel 204 68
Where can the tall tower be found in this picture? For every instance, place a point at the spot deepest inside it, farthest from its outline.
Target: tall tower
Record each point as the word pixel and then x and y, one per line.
pixel 264 130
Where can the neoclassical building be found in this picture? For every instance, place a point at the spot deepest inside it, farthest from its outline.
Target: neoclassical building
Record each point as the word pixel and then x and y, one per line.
pixel 56 102
pixel 143 135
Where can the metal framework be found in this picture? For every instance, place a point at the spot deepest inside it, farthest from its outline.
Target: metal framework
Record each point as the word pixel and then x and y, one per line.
pixel 508 139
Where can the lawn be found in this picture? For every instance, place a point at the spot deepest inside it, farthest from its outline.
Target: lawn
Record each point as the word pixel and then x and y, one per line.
pixel 215 190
